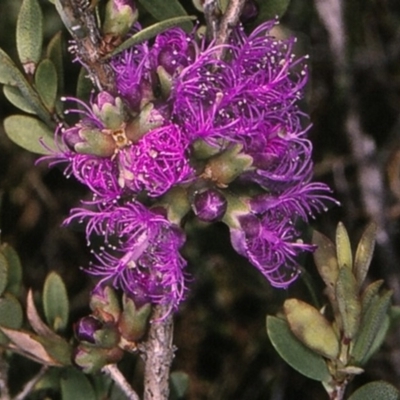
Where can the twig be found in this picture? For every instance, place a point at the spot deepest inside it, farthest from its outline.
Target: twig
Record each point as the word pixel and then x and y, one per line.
pixel 158 352
pixel 81 23
pixel 211 15
pixel 4 393
pixel 31 384
pixel 115 374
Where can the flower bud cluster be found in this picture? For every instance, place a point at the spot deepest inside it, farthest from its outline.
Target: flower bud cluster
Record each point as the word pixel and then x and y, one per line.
pixel 109 330
pixel 186 131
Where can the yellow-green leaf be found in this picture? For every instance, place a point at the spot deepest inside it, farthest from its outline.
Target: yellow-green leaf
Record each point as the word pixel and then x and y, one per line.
pixel 311 328
pixel 295 353
pixel 270 9
pixel 29 133
pixel 8 70
pixel 55 302
pixel 343 247
pixel 46 83
pixel 29 34
pixel 54 52
pixel 365 250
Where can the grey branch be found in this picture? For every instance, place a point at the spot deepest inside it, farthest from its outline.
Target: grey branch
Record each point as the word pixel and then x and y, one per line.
pixel 4 393
pixel 158 353
pixel 115 374
pixel 81 23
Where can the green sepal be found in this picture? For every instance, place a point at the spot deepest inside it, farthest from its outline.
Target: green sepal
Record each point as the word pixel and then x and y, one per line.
pixel 295 353
pixel 55 302
pixel 29 34
pixel 133 322
pixel 105 304
pixel 95 142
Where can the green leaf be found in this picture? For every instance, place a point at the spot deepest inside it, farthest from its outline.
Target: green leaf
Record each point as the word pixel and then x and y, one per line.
pixel 75 385
pixel 370 294
pixel 365 250
pixel 58 349
pixel 29 34
pixel 150 32
pixel 55 302
pixel 162 10
pixel 298 356
pixel 379 338
pixel 16 98
pixel 84 86
pixel 179 384
pixel 325 259
pixel 46 83
pixel 3 273
pixel 343 247
pixel 29 133
pixel 14 280
pixel 271 9
pixel 378 390
pixel 348 302
pixel 8 70
pixel 372 321
pixel 11 315
pixel 55 54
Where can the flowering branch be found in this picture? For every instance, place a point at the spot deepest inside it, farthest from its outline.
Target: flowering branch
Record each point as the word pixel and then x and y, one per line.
pixel 158 352
pixel 115 374
pixel 81 23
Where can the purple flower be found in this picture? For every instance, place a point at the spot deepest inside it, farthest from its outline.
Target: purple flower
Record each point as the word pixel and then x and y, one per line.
pixel 272 245
pixel 140 254
pixel 86 327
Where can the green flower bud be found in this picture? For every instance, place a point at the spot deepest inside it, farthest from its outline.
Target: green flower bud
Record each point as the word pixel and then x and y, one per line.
pixel 105 305
pixel 120 15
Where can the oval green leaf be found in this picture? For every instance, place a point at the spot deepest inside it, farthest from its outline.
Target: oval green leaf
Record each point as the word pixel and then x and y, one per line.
pixel 84 86
pixel 75 385
pixel 3 273
pixel 46 83
pixel 29 34
pixel 365 250
pixel 378 390
pixel 54 52
pixel 161 10
pixel 271 9
pixel 55 302
pixel 29 133
pixel 298 356
pixel 8 70
pixel 14 280
pixel 150 32
pixel 343 247
pixel 11 315
pixel 15 97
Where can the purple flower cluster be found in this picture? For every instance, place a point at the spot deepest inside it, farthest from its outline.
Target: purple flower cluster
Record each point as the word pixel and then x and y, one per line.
pixel 183 117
